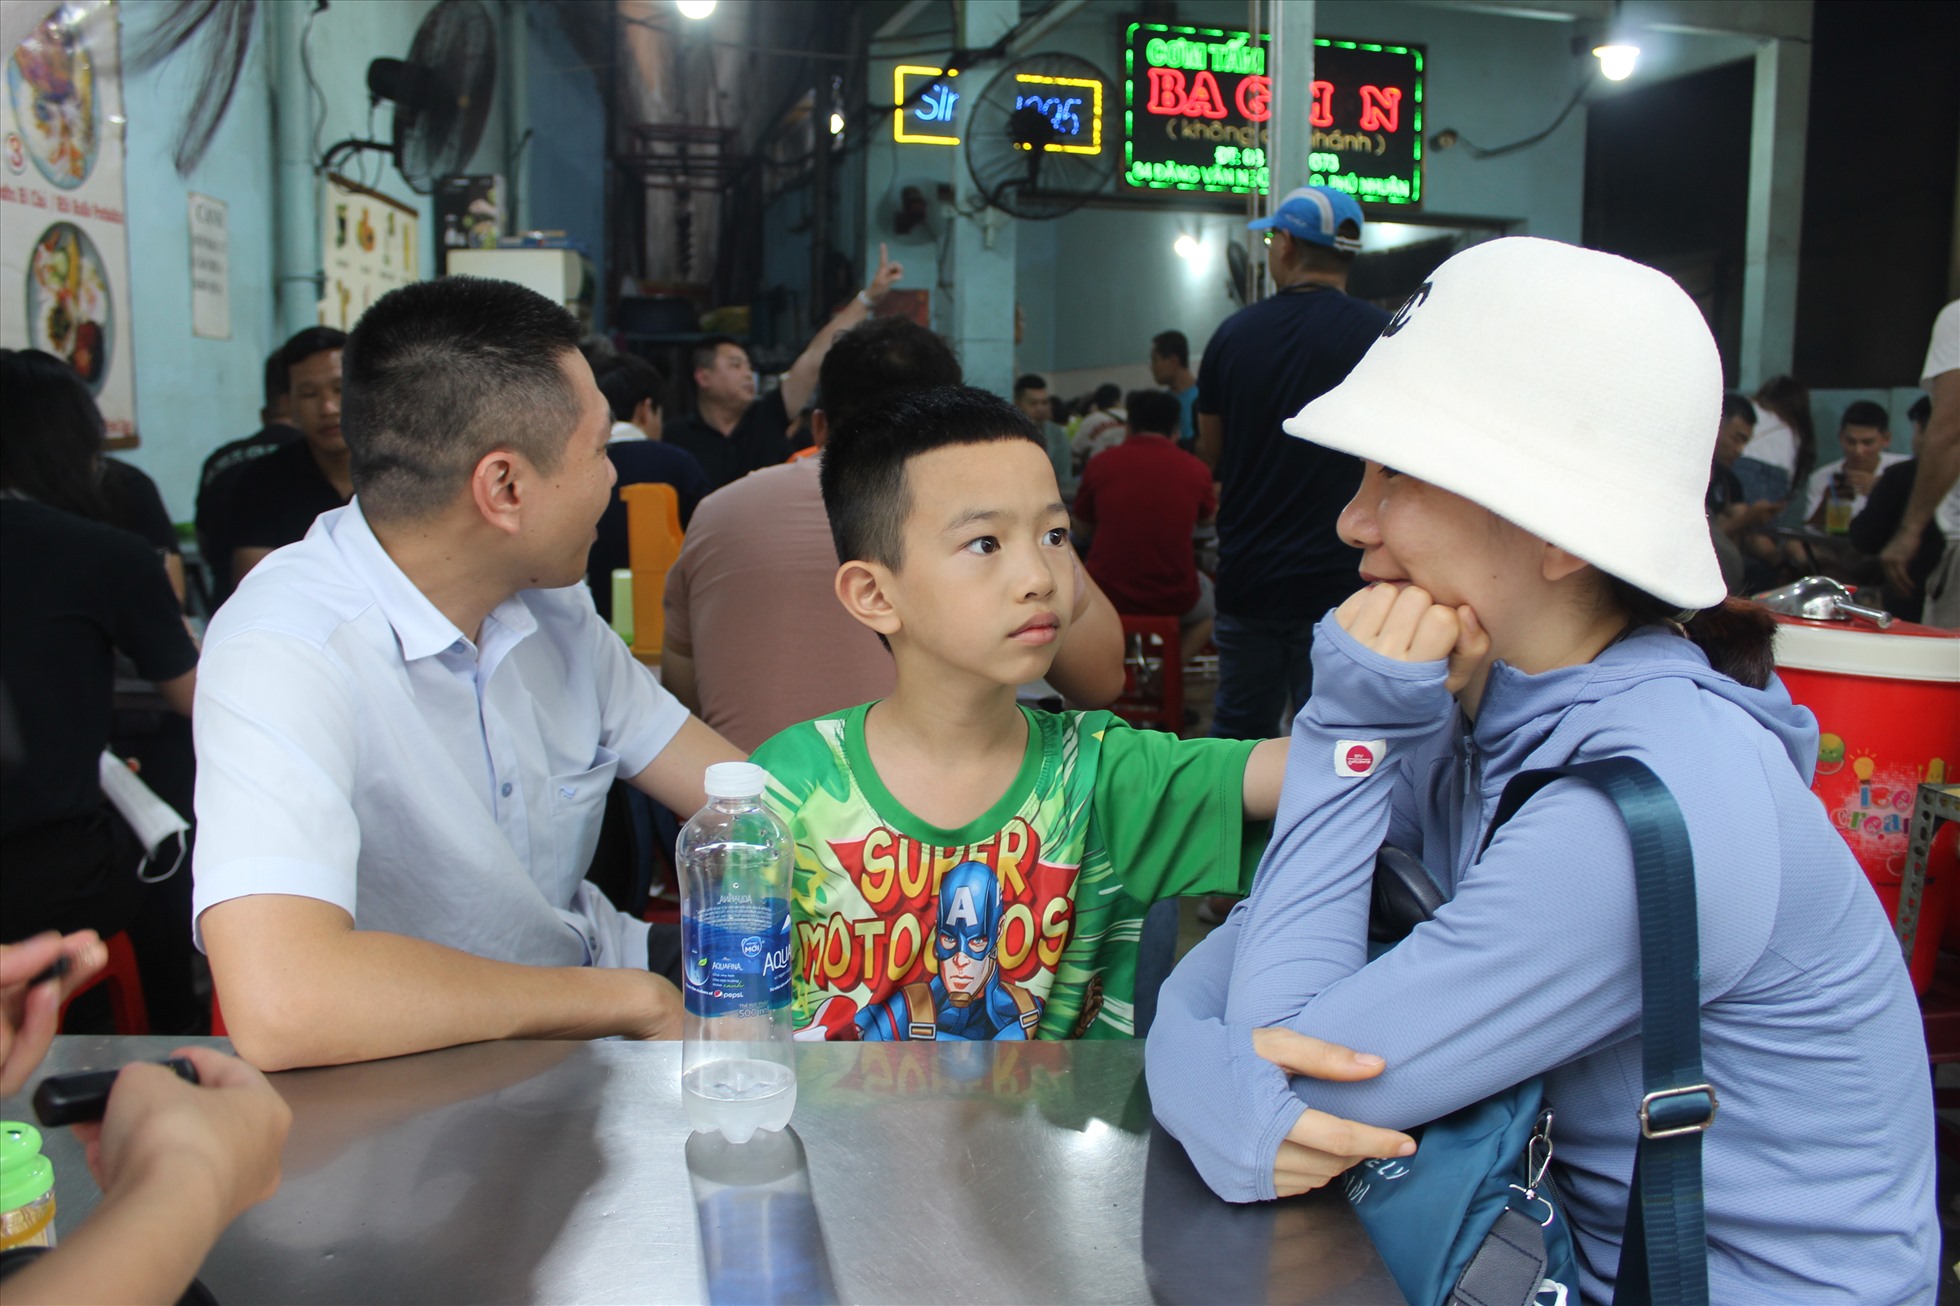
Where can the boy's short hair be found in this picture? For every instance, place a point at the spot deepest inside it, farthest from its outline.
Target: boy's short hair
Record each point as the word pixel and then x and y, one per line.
pixel 1866 413
pixel 863 477
pixel 1736 405
pixel 1029 381
pixel 1172 344
pixel 627 381
pixel 1155 411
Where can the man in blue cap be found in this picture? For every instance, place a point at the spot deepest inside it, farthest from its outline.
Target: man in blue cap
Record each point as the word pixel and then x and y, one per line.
pixel 1280 564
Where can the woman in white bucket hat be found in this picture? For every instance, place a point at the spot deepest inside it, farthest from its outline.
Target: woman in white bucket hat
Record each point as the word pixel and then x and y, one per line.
pixel 1537 424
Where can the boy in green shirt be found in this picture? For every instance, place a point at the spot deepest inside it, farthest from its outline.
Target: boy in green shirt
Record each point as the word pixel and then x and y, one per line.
pixel 967 868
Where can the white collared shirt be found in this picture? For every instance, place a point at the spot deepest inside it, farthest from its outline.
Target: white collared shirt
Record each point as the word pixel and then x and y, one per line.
pixel 353 746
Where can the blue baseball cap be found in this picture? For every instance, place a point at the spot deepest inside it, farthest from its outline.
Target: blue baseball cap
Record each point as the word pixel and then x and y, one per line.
pixel 1315 214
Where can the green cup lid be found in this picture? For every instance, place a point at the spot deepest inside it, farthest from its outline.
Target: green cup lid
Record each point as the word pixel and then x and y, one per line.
pixel 25 1175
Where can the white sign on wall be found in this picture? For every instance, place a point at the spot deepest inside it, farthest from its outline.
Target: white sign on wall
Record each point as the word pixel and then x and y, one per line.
pixel 64 250
pixel 210 268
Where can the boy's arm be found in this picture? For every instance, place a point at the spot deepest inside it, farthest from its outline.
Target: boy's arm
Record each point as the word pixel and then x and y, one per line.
pixel 1264 772
pixel 1173 813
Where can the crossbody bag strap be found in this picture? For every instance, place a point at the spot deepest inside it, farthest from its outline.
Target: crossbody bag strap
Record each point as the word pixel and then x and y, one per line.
pixel 1664 1248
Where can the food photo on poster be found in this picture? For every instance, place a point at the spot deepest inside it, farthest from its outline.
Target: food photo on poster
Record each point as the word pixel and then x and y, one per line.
pixel 64 255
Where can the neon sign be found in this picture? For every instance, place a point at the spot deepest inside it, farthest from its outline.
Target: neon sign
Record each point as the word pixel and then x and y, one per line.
pixel 914 121
pixel 1072 105
pixel 929 112
pixel 1198 101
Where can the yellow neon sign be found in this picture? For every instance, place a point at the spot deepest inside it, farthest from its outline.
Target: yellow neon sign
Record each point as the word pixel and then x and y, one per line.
pixel 937 105
pixel 1095 89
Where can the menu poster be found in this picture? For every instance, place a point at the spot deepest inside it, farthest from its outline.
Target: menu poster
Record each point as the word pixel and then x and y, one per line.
pixel 371 244
pixel 210 267
pixel 64 251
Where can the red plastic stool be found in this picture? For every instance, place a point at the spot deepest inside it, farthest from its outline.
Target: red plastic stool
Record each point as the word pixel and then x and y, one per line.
pixel 125 988
pixel 1153 674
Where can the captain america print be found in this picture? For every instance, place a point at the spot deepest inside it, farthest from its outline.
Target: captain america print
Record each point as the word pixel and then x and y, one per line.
pixel 967 998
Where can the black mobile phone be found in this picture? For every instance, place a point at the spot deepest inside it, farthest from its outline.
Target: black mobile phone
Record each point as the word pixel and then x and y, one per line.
pixel 84 1094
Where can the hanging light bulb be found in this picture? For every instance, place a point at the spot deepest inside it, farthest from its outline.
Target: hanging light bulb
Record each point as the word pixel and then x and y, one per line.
pixel 696 9
pixel 1185 246
pixel 1616 61
pixel 836 123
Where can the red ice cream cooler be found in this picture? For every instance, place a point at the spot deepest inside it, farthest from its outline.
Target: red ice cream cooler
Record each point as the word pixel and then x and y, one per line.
pixel 1888 715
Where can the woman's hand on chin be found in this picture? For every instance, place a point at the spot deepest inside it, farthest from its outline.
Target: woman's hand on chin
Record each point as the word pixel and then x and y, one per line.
pixel 1403 622
pixel 1321 1146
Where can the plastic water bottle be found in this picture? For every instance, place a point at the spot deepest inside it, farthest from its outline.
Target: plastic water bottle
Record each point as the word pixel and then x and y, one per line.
pixel 734 856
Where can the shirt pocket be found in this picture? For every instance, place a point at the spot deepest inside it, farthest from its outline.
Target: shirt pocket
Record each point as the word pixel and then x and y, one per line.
pixel 578 808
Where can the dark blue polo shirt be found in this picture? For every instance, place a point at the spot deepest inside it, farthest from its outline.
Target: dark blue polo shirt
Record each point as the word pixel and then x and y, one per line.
pixel 1278 554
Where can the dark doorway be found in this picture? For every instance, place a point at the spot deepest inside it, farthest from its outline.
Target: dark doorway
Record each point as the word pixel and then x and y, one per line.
pixel 1878 190
pixel 1667 184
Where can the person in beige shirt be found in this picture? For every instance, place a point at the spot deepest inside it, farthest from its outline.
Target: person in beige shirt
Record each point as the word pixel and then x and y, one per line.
pixel 756 640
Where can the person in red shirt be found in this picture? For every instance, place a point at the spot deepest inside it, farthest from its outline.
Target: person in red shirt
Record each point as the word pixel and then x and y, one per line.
pixel 1139 502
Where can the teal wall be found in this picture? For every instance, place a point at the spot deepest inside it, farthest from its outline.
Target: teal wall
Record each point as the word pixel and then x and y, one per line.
pixel 560 173
pixel 192 394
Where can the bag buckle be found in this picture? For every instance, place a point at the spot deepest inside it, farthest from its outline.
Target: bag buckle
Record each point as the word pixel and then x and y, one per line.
pixel 1650 1129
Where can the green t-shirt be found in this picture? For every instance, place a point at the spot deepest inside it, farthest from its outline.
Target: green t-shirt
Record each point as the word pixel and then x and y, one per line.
pixel 899 934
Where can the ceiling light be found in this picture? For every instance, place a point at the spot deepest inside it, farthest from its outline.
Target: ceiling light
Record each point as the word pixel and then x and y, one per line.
pixel 1185 246
pixel 695 8
pixel 836 124
pixel 1616 61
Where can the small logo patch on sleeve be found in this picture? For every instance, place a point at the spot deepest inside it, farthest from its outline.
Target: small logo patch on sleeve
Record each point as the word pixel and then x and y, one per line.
pixel 1358 757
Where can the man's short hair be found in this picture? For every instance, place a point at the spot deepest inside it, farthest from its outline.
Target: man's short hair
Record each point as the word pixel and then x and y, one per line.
pixel 1921 411
pixel 313 340
pixel 629 381
pixel 1323 258
pixel 1155 411
pixel 1172 344
pixel 1736 405
pixel 440 373
pixel 878 360
pixel 863 476
pixel 1028 381
pixel 1866 413
pixel 278 384
pixel 703 354
pixel 1107 395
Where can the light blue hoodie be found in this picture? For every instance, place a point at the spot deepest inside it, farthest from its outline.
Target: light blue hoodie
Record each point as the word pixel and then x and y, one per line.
pixel 1818 1171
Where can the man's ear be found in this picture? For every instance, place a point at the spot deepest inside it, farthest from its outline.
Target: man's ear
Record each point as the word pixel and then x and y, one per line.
pixel 497 488
pixel 1555 564
pixel 819 427
pixel 863 589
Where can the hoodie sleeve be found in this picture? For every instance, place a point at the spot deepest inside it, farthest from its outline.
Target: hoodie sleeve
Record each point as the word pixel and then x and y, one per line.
pixel 1532 963
pixel 1350 766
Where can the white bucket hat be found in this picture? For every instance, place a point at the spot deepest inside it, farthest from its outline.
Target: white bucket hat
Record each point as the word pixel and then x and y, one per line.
pixel 1571 392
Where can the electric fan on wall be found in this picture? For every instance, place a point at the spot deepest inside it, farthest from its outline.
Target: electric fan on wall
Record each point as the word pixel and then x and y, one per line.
pixel 1036 144
pixel 441 95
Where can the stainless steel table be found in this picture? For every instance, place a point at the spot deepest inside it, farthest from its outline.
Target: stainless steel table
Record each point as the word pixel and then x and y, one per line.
pixel 912 1172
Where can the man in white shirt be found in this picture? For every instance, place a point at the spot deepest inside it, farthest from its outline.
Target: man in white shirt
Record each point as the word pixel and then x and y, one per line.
pixel 1863 433
pixel 1936 487
pixel 408 721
